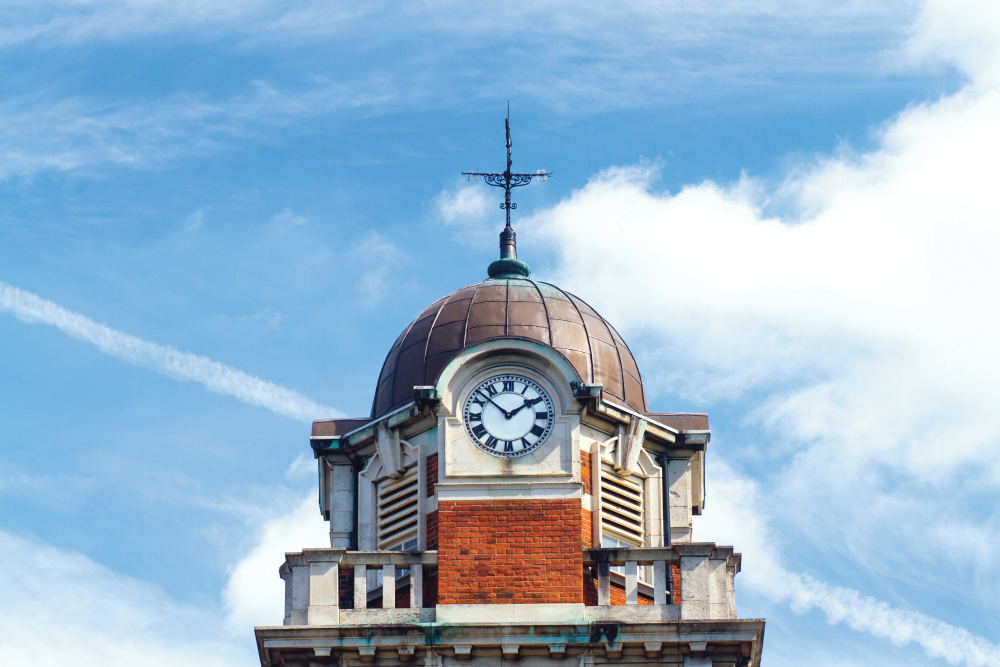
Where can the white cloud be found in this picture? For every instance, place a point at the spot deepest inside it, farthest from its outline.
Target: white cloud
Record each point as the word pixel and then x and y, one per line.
pixel 62 608
pixel 164 359
pixel 736 517
pixel 378 260
pixel 254 594
pixel 465 209
pixel 632 54
pixel 194 220
pixel 859 330
pixel 463 205
pixel 286 219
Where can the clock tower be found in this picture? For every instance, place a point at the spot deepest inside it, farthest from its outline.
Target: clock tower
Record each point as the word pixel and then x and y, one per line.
pixel 511 498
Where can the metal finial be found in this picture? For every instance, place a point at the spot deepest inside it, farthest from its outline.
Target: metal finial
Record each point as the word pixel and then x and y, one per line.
pixel 507 180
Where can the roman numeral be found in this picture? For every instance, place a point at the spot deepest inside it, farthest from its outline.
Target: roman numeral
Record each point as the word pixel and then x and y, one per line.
pixel 508 385
pixel 508 446
pixel 491 390
pixel 479 431
pixel 478 401
pixel 524 390
pixel 542 415
pixel 475 416
pixel 491 442
pixel 525 443
pixel 533 401
pixel 537 430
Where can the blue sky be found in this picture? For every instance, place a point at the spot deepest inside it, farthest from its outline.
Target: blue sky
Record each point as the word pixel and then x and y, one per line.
pixel 216 218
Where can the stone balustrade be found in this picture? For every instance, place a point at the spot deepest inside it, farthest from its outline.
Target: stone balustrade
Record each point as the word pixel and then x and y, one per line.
pixel 707 574
pixel 314 587
pixel 631 559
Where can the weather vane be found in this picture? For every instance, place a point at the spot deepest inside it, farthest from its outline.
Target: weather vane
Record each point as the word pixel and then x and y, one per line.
pixel 507 180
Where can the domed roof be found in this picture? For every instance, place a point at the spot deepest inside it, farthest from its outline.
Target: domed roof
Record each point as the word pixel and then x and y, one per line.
pixel 508 307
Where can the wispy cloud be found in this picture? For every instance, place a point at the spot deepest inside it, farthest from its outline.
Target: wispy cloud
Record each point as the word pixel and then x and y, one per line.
pixel 569 62
pixel 853 332
pixel 254 593
pixel 164 359
pixel 287 219
pixel 736 517
pixel 464 209
pixel 83 614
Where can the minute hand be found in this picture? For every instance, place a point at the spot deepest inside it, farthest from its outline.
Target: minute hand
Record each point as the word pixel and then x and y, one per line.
pixel 507 415
pixel 524 405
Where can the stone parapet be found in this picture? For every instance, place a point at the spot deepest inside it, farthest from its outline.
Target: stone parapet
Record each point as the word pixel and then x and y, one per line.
pixel 599 641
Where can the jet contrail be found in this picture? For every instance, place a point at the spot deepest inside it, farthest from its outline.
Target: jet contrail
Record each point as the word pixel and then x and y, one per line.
pixel 164 359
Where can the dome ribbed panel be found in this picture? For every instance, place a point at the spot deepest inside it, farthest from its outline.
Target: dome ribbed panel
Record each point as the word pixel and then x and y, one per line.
pixel 508 308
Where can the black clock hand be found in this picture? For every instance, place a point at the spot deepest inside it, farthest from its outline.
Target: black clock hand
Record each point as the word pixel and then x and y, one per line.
pixel 505 413
pixel 523 406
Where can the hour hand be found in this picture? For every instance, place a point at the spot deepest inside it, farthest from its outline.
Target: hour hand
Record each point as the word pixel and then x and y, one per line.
pixel 523 406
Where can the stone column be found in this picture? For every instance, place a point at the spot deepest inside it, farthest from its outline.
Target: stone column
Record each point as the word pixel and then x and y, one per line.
pixel 340 494
pixel 679 481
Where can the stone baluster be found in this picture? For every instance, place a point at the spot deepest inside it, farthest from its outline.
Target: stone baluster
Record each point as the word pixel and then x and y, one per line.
pixel 660 582
pixel 416 586
pixel 603 582
pixel 360 586
pixel 631 582
pixel 388 587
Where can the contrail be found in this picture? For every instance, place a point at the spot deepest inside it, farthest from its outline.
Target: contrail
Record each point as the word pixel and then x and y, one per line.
pixel 164 359
pixel 739 518
pixel 867 614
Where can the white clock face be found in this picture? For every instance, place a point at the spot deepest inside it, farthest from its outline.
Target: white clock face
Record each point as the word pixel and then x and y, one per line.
pixel 508 415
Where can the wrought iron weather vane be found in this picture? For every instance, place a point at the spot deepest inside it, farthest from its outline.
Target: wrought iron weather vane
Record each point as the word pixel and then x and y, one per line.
pixel 507 180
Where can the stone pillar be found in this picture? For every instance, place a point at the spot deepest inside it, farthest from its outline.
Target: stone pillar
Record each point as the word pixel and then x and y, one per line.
pixel 324 593
pixel 296 593
pixel 679 480
pixel 717 596
pixel 340 494
pixel 695 587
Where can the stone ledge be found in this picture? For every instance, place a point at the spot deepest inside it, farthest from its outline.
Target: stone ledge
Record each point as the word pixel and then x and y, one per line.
pixel 633 613
pixel 571 613
pixel 387 616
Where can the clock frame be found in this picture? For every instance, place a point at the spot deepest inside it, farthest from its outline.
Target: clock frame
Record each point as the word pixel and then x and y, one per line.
pixel 508 415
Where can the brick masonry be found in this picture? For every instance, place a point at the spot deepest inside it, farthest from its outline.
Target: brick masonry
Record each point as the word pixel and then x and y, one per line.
pixel 586 471
pixel 510 551
pixel 432 474
pixel 587 516
pixel 432 531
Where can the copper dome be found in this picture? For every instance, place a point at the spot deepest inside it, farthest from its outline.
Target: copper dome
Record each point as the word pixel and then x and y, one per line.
pixel 508 308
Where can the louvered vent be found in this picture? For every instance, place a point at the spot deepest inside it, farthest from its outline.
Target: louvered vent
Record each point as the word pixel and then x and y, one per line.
pixel 397 512
pixel 621 507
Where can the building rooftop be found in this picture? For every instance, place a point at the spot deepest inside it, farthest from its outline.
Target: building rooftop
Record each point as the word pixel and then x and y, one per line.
pixel 509 307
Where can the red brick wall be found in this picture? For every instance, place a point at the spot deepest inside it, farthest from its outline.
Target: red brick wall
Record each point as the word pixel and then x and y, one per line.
pixel 675 574
pixel 432 530
pixel 509 551
pixel 432 474
pixel 589 587
pixel 586 516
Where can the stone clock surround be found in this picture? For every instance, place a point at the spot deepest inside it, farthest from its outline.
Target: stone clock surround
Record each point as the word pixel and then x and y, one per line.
pixel 509 529
pixel 555 460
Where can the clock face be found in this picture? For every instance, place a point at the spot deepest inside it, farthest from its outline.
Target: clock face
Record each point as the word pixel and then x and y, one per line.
pixel 508 415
